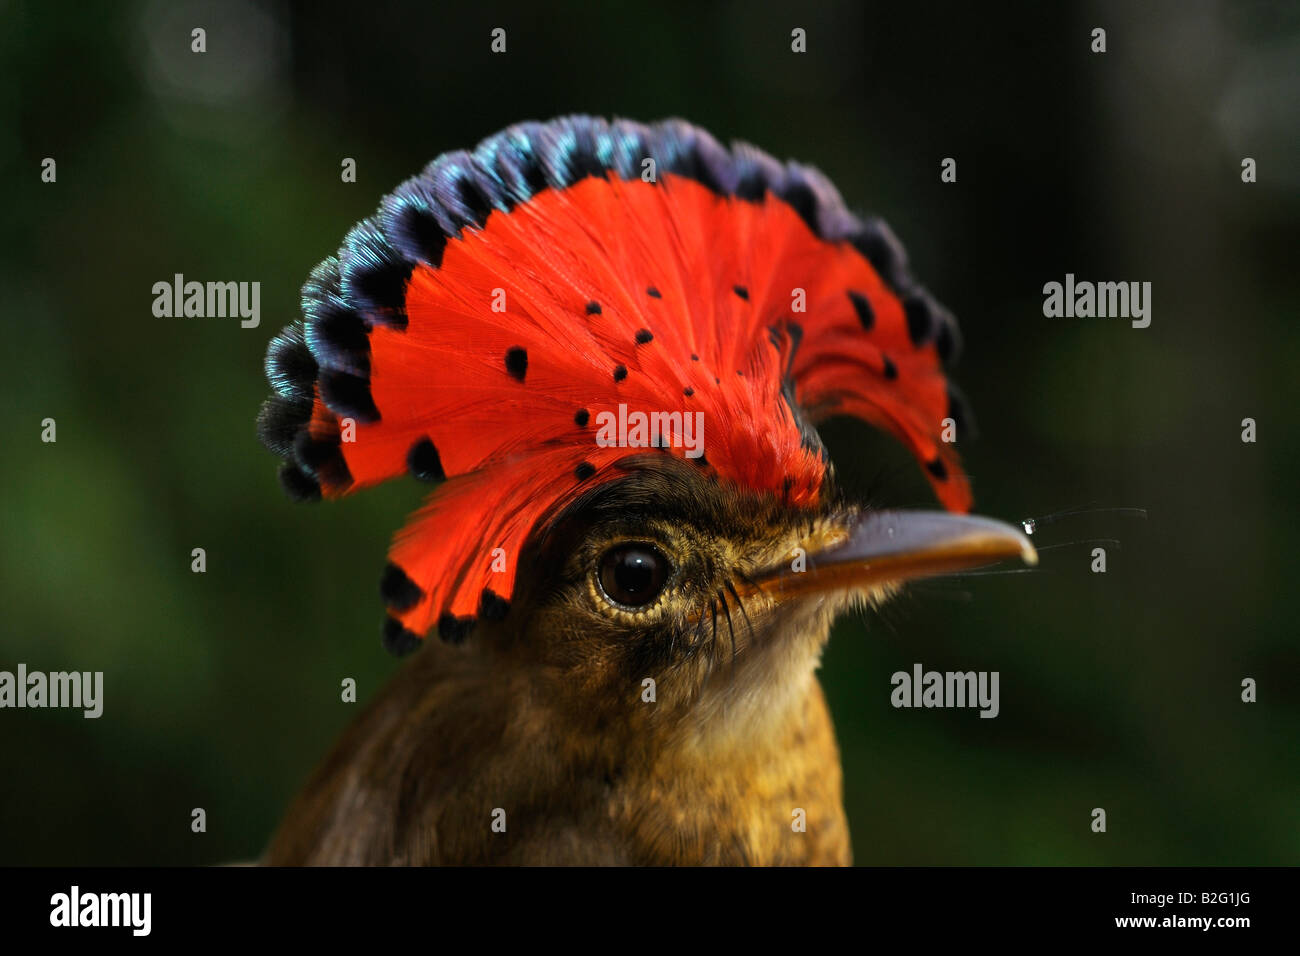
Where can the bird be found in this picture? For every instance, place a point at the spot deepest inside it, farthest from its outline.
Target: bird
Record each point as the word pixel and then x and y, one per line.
pixel 604 346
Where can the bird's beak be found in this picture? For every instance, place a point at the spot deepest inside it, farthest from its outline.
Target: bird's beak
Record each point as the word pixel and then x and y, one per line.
pixel 888 547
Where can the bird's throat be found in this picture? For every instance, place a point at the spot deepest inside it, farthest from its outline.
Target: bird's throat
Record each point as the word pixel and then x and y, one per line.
pixel 456 762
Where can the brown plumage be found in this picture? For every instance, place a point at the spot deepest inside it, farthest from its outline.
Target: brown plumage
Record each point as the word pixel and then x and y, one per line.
pixel 545 715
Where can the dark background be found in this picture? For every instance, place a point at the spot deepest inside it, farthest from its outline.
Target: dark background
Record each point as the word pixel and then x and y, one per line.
pixel 1119 690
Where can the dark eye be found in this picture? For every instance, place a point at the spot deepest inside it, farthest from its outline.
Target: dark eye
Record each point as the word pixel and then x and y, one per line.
pixel 633 574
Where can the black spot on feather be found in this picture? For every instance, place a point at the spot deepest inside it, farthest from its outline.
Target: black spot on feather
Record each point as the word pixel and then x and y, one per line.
pixel 399 592
pixel 297 484
pixel 348 396
pixel 373 274
pixel 453 629
pixel 879 246
pixel 920 318
pixel 424 461
pixel 866 314
pixel 492 606
pixel 417 232
pixel 338 339
pixel 290 366
pixel 475 201
pixel 397 639
pixel 279 421
pixel 321 458
pixel 517 362
pixel 800 196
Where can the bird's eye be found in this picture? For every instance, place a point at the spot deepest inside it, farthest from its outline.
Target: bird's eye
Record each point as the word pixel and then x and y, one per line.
pixel 633 574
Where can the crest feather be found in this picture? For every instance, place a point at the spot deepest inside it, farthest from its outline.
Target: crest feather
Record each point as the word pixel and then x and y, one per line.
pixel 479 329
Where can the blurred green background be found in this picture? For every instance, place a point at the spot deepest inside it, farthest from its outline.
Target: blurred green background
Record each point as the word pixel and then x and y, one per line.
pixel 1119 690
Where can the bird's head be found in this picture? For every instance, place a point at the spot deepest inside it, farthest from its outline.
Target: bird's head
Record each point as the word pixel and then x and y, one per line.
pixel 665 585
pixel 613 382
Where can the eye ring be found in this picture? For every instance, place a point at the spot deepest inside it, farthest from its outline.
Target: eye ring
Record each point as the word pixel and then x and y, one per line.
pixel 631 575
